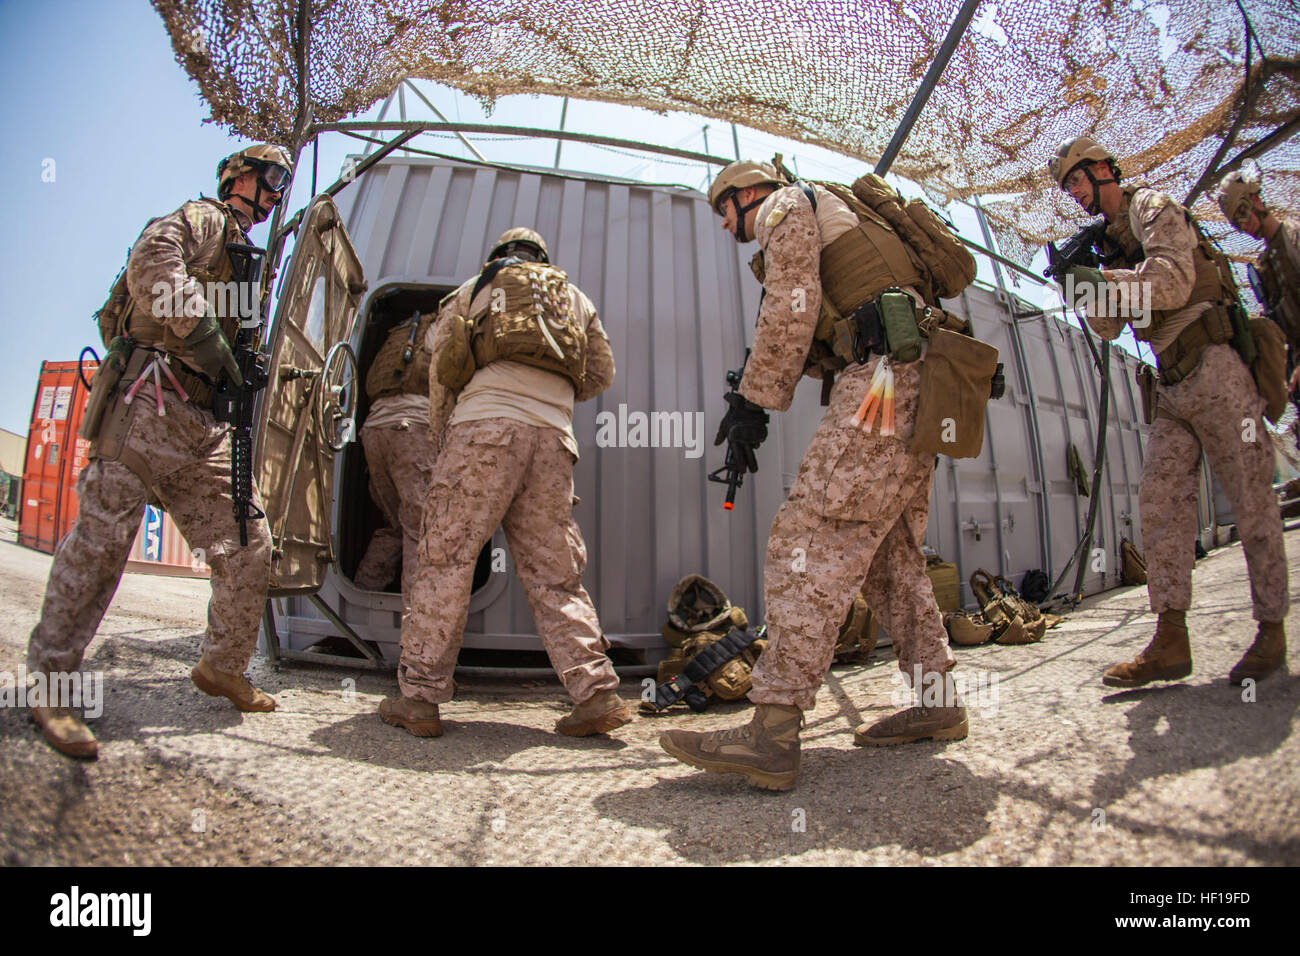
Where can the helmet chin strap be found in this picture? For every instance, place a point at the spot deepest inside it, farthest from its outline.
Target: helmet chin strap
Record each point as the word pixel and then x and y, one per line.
pixel 1094 207
pixel 741 212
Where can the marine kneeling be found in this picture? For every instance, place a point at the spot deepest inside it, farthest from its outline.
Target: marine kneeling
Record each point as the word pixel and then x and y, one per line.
pixel 514 347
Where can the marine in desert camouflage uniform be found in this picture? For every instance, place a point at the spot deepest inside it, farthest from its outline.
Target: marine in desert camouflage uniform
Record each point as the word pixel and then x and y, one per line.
pixel 1278 266
pixel 506 455
pixel 1206 400
pixel 399 452
pixel 180 456
pixel 857 510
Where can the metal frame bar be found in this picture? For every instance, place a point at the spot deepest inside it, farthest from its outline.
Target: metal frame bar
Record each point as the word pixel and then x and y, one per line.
pixel 345 629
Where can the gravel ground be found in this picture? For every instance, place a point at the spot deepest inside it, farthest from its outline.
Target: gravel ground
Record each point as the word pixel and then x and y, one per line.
pixel 1058 769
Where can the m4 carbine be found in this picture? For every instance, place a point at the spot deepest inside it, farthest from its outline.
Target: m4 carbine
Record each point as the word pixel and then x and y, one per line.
pixel 235 404
pixel 732 474
pixel 1081 249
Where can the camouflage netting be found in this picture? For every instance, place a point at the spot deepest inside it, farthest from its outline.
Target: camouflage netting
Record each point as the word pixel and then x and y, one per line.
pixel 1159 81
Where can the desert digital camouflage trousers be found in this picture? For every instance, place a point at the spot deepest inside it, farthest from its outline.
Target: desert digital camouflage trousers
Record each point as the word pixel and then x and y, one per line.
pixel 188 453
pixel 502 472
pixel 1217 408
pixel 854 520
pixel 400 460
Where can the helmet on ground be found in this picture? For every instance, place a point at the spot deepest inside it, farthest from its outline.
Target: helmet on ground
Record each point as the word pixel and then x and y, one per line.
pixel 1234 196
pixel 738 175
pixel 697 604
pixel 1073 152
pixel 519 236
pixel 271 163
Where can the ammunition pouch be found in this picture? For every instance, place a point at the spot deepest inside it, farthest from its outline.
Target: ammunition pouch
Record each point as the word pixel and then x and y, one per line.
pixel 1214 327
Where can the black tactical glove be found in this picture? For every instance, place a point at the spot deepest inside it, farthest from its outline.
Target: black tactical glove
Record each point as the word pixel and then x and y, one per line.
pixel 212 352
pixel 745 426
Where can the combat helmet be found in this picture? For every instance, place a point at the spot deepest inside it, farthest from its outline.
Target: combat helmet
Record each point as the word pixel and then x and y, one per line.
pixel 735 177
pixel 521 236
pixel 1071 154
pixel 697 604
pixel 1234 196
pixel 271 163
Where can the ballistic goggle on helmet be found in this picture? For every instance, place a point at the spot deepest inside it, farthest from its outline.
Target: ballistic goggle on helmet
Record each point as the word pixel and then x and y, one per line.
pixel 1235 192
pixel 271 163
pixel 520 238
pixel 735 177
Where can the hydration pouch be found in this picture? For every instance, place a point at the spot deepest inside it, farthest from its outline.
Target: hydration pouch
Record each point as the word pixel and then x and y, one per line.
pixel 898 315
pixel 1146 382
pixel 104 385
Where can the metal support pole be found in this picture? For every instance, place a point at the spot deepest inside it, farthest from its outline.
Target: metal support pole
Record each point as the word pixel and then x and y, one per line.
pixel 735 140
pixel 564 112
pixel 346 630
pixel 922 95
pixel 438 113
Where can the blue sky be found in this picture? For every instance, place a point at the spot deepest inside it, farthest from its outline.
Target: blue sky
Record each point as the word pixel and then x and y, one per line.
pixel 95 102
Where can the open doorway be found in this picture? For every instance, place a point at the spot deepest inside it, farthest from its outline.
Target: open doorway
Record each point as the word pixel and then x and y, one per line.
pixel 359 517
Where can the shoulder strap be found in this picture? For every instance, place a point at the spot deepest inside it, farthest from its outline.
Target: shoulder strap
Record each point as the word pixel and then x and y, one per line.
pixel 490 272
pixel 807 191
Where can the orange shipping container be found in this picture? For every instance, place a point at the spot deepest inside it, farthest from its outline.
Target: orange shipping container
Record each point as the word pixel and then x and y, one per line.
pixel 55 456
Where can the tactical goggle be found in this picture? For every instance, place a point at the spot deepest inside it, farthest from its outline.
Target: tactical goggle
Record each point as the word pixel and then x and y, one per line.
pixel 726 194
pixel 511 249
pixel 272 175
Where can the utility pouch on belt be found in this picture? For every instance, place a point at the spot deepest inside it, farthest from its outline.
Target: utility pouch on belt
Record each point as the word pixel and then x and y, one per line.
pixel 956 377
pixel 898 316
pixel 104 385
pixel 1242 340
pixel 1269 367
pixel 1146 382
pixel 456 364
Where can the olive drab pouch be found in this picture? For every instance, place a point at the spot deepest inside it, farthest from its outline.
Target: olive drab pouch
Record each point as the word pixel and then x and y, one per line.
pixel 1269 367
pixel 1146 383
pixel 956 378
pixel 104 386
pixel 455 364
pixel 898 316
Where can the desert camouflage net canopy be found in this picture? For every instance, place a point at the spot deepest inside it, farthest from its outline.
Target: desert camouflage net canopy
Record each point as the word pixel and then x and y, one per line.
pixel 1161 82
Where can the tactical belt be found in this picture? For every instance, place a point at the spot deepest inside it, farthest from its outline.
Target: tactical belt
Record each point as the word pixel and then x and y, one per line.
pixel 699 667
pixel 1179 360
pixel 197 387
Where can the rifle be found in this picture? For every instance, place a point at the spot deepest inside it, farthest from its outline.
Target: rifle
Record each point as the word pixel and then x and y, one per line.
pixel 733 464
pixel 235 404
pixel 1079 250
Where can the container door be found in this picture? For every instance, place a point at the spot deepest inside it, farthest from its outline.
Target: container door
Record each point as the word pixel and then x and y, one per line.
pixel 305 414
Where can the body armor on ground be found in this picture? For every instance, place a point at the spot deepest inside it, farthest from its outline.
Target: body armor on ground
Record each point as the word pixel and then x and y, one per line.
pixel 524 314
pixel 402 364
pixel 1213 284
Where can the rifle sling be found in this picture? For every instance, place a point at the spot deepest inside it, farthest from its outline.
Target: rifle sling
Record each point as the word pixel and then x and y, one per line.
pixel 703 664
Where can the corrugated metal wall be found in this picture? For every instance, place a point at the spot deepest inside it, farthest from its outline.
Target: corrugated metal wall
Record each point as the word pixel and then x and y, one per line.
pixel 678 301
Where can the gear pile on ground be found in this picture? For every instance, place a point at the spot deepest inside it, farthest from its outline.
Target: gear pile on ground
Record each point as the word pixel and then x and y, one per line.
pixel 1163 82
pixel 1005 617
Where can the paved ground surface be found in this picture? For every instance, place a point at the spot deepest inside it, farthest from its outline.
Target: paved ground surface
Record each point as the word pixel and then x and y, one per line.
pixel 1057 770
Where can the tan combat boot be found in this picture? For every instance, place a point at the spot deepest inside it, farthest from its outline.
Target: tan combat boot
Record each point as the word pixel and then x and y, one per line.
pixel 602 712
pixel 943 719
pixel 233 687
pixel 418 717
pixel 66 732
pixel 766 750
pixel 1266 655
pixel 1167 657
